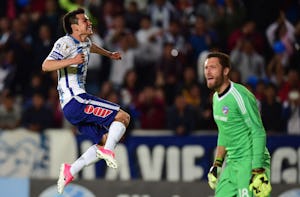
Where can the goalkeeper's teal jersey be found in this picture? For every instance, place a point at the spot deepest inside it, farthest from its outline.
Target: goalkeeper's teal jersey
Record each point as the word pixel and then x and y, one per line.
pixel 240 126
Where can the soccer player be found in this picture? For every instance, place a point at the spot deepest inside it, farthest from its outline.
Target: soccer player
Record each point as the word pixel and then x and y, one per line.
pixel 241 138
pixel 104 122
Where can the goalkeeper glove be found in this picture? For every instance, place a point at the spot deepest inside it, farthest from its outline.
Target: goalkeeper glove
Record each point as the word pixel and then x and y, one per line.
pixel 259 183
pixel 214 173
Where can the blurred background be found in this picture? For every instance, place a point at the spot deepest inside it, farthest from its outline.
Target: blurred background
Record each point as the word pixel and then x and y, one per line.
pixel 170 143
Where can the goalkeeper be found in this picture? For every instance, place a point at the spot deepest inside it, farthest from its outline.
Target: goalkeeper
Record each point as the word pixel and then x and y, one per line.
pixel 241 138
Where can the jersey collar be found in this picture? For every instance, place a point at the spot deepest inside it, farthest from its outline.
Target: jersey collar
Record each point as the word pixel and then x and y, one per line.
pixel 225 91
pixel 75 40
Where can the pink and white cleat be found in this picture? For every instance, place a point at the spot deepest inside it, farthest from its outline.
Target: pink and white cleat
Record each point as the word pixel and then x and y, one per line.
pixel 65 177
pixel 108 156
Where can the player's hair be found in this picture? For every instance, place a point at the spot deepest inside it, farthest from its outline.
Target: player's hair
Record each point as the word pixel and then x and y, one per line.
pixel 70 18
pixel 223 58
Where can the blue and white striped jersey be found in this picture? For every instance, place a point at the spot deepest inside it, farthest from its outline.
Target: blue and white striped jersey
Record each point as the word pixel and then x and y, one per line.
pixel 71 79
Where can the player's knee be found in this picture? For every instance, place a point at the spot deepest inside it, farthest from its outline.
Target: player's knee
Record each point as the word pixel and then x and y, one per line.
pixel 123 117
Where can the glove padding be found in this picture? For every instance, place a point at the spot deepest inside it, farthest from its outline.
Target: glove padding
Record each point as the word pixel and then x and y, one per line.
pixel 260 185
pixel 212 176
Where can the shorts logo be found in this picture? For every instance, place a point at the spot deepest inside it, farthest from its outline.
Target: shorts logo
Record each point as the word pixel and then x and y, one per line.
pixel 97 111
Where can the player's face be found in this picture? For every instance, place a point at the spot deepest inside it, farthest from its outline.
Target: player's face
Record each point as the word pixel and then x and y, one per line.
pixel 84 26
pixel 213 72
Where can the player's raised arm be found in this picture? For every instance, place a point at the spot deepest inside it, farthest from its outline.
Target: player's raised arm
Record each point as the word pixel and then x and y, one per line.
pixel 102 51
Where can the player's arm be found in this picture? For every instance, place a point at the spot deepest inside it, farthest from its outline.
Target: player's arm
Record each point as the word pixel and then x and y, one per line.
pixel 51 65
pixel 61 56
pixel 102 51
pixel 259 182
pixel 258 134
pixel 220 153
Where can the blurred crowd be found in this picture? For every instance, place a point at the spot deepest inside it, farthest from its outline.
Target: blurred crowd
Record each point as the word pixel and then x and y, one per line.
pixel 163 43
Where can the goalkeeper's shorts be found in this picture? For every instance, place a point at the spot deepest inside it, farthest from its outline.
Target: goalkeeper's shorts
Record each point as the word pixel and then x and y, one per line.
pixel 235 178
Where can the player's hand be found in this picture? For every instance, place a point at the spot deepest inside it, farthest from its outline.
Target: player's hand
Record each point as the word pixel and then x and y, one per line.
pixel 259 183
pixel 115 55
pixel 79 58
pixel 213 175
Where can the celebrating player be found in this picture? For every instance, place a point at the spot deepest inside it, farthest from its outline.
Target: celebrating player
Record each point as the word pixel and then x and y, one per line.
pixel 241 138
pixel 93 116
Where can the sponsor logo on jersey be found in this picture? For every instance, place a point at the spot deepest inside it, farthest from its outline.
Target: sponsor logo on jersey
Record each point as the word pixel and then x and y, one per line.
pixel 97 111
pixel 225 110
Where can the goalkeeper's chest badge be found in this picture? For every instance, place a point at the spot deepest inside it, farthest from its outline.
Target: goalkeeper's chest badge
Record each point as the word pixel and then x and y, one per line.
pixel 225 110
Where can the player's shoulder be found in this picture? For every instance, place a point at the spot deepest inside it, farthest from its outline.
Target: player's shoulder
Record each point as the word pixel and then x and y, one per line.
pixel 64 45
pixel 242 90
pixel 65 40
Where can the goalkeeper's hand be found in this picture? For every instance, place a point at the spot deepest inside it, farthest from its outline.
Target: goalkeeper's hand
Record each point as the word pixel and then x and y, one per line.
pixel 259 183
pixel 214 173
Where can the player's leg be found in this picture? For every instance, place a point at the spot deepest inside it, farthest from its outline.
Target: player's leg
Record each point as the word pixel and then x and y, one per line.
pixel 115 132
pixel 225 186
pixel 108 115
pixel 243 175
pixel 89 109
pixel 243 169
pixel 89 157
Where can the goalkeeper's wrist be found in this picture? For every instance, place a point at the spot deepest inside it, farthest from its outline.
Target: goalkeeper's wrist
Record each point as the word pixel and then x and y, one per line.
pixel 218 162
pixel 258 171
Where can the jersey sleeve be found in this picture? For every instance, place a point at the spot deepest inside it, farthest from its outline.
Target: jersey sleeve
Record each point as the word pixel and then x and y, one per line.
pixel 221 140
pixel 61 50
pixel 258 134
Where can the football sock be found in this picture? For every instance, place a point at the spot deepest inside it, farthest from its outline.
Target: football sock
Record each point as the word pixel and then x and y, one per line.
pixel 115 133
pixel 86 159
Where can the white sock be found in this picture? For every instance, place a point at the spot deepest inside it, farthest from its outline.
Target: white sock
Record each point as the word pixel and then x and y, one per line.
pixel 115 133
pixel 86 159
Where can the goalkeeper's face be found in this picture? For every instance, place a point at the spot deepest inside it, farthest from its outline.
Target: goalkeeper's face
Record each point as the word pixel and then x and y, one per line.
pixel 214 73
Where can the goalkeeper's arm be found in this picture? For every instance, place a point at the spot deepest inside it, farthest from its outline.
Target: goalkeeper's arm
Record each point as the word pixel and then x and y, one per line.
pixel 259 183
